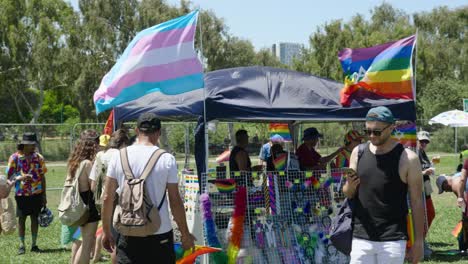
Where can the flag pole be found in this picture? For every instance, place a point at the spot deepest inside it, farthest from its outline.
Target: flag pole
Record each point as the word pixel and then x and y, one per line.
pixel 204 93
pixel 415 54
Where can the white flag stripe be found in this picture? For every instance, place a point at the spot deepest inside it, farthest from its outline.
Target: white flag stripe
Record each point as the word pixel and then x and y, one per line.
pixel 157 57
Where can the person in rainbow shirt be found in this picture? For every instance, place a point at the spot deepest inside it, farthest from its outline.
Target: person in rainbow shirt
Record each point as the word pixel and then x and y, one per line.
pixel 27 169
pixel 351 140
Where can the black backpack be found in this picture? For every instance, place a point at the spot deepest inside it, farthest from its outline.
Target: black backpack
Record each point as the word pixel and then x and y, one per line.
pixel 341 229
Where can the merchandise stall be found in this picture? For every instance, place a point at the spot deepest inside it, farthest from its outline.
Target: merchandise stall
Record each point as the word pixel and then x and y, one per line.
pixel 279 216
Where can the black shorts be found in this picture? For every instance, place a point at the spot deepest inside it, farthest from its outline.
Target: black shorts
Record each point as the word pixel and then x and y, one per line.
pixel 28 205
pixel 88 199
pixel 151 249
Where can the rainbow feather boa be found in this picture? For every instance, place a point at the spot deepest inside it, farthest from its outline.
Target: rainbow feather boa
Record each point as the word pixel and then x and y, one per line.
pixel 237 225
pixel 210 230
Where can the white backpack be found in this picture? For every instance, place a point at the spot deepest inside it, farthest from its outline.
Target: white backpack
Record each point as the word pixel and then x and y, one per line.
pixel 7 216
pixel 72 210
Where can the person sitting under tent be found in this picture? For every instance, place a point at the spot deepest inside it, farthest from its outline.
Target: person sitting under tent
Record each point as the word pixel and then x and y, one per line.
pixel 309 158
pixel 265 151
pixel 351 139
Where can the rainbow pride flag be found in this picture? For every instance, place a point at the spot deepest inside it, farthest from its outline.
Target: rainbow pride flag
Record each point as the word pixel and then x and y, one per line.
pixel 109 126
pixel 385 70
pixel 161 59
pixel 280 162
pixel 406 134
pixel 281 129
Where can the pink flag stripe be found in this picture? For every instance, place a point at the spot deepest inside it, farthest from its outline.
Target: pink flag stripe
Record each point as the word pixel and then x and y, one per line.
pixel 155 73
pixel 161 56
pixel 163 39
pixel 371 52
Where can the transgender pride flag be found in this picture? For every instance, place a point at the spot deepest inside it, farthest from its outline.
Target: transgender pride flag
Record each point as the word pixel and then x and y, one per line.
pixel 161 59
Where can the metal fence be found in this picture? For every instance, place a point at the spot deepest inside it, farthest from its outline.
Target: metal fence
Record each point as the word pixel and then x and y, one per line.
pixel 287 217
pixel 57 140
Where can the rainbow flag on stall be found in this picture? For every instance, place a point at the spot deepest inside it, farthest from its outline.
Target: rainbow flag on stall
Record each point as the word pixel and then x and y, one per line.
pixel 280 162
pixel 161 59
pixel 385 70
pixel 281 129
pixel 405 133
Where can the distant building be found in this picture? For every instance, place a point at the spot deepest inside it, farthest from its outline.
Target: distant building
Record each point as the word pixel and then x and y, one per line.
pixel 286 52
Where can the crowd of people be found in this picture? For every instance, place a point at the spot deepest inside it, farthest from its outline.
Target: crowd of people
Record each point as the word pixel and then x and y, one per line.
pixel 96 163
pixel 384 179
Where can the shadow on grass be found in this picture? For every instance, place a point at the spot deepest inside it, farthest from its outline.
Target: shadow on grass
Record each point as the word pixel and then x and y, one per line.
pixel 54 250
pixel 446 256
pixel 440 244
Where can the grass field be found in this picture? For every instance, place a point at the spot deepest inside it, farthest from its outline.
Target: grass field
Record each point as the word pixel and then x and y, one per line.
pixel 439 238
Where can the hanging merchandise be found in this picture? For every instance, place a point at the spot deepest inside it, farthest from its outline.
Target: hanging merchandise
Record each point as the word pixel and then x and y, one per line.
pixel 210 230
pixel 237 225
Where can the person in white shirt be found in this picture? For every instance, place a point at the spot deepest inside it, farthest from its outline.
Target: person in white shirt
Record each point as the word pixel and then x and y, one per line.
pixel 160 246
pixel 111 145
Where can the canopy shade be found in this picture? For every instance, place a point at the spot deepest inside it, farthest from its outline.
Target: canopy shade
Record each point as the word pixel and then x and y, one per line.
pixel 263 93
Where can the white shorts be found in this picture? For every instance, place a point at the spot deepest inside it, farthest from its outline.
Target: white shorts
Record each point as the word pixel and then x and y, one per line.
pixel 368 252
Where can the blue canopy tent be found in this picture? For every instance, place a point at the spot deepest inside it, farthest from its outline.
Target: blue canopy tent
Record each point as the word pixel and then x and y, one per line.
pixel 260 94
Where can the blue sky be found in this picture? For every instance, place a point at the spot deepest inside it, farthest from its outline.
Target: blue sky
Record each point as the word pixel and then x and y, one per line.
pixel 265 22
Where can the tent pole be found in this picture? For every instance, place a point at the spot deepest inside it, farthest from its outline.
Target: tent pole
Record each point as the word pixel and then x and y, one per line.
pixel 204 95
pixel 456 139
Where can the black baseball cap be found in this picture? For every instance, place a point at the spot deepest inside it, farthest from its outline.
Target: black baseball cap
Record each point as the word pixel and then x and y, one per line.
pixel 311 133
pixel 148 122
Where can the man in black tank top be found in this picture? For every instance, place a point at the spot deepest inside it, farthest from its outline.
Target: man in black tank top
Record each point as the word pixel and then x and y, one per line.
pixel 386 172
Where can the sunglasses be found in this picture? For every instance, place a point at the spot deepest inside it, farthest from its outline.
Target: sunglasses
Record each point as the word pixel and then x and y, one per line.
pixel 376 132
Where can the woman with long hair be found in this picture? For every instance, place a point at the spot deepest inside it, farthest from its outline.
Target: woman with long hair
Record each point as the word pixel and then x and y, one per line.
pixel 79 165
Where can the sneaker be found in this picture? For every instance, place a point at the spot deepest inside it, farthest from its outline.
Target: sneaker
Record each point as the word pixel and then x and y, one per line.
pixel 21 250
pixel 35 249
pixel 427 250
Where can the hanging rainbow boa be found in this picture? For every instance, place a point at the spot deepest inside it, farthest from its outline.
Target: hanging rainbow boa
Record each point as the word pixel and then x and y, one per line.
pixel 189 256
pixel 237 225
pixel 210 230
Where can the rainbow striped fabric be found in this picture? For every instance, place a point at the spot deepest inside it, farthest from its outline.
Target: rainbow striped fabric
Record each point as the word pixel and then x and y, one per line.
pixel 342 158
pixel 161 59
pixel 385 70
pixel 281 129
pixel 280 161
pixel 405 133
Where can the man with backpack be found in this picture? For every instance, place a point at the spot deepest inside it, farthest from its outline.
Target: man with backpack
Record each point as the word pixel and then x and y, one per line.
pixel 142 174
pixel 384 174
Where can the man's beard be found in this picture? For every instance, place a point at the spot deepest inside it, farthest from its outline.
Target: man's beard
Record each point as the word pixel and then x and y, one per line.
pixel 380 141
